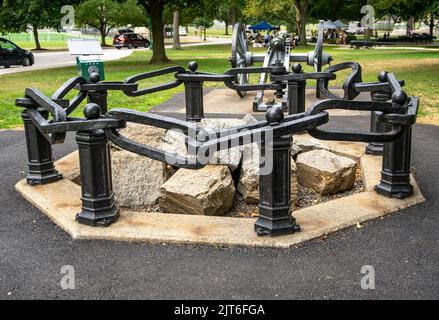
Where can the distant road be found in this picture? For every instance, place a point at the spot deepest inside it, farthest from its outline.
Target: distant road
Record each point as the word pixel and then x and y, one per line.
pixel 50 60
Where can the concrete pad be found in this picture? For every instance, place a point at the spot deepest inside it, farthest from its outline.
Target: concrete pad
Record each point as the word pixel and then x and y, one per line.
pixel 226 101
pixel 60 201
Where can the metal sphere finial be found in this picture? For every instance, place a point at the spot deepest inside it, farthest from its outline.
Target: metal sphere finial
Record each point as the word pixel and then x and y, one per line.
pixel 297 68
pixel 382 76
pixel 193 66
pixel 399 97
pixel 92 111
pixel 95 77
pixel 274 115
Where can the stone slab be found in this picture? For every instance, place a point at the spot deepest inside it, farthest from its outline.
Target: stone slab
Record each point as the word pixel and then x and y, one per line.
pixel 60 201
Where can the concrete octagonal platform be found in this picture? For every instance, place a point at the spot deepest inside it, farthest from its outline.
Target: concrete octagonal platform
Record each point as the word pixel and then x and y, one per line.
pixel 61 202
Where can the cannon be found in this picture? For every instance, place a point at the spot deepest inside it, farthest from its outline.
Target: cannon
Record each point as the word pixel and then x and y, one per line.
pixel 278 54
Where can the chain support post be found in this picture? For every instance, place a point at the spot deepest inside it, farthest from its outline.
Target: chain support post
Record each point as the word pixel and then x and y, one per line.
pixel 98 207
pixel 376 148
pixel 275 216
pixel 41 168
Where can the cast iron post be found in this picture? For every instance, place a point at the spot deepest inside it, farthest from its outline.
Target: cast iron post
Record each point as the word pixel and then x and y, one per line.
pixel 296 93
pixel 98 97
pixel 98 208
pixel 39 153
pixel 376 148
pixel 275 188
pixel 194 97
pixel 395 176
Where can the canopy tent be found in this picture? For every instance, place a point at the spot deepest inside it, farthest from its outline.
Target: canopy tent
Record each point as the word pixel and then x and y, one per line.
pixel 263 25
pixel 329 25
pixel 340 25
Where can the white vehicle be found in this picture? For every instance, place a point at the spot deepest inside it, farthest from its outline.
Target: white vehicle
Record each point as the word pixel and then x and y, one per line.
pixel 182 32
pixel 355 28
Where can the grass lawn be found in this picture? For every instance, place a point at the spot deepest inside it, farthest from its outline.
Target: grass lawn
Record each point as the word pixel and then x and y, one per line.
pixel 48 40
pixel 419 68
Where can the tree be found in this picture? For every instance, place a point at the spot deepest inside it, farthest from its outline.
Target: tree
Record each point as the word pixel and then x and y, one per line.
pixel 30 15
pixel 230 12
pixel 204 23
pixel 105 15
pixel 176 33
pixel 301 7
pixel 155 8
pixel 336 9
pixel 425 10
pixel 430 15
pixel 280 12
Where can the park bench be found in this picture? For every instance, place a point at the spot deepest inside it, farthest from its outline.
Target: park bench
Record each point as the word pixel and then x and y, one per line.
pixel 357 44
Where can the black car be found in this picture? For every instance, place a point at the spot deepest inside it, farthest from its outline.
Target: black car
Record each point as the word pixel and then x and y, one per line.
pixel 13 55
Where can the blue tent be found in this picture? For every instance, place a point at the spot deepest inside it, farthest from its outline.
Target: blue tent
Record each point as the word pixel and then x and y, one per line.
pixel 263 25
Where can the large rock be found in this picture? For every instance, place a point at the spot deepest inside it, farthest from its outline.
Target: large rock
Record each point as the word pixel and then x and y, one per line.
pixel 208 191
pixel 248 185
pixel 174 141
pixel 142 134
pixel 325 172
pixel 137 179
pixel 305 143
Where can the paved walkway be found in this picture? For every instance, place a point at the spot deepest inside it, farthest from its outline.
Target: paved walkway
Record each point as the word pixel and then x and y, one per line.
pixel 403 249
pixel 51 60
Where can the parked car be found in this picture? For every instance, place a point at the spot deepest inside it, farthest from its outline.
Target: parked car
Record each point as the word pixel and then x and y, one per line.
pixel 13 55
pixel 130 41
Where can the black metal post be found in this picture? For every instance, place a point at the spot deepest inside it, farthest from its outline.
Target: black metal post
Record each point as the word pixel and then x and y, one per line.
pixel 395 176
pixel 296 97
pixel 98 207
pixel 100 98
pixel 39 153
pixel 376 148
pixel 194 101
pixel 194 97
pixel 296 93
pixel 275 191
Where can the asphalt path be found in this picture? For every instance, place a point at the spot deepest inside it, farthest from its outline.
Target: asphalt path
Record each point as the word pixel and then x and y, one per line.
pixel 403 249
pixel 58 59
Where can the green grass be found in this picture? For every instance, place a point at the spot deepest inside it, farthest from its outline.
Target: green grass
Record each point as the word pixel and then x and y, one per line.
pixel 48 40
pixel 420 69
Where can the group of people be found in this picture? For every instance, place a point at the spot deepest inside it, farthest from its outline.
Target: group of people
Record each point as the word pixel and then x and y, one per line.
pixel 264 40
pixel 340 36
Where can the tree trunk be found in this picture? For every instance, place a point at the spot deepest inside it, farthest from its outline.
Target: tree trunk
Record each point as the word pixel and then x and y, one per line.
pixel 234 15
pixel 158 52
pixel 176 34
pixel 103 38
pixel 410 25
pixel 301 8
pixel 227 29
pixel 431 25
pixel 205 33
pixel 187 30
pixel 36 37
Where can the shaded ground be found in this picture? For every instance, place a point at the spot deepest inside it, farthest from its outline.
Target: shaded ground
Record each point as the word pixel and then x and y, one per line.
pixel 403 248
